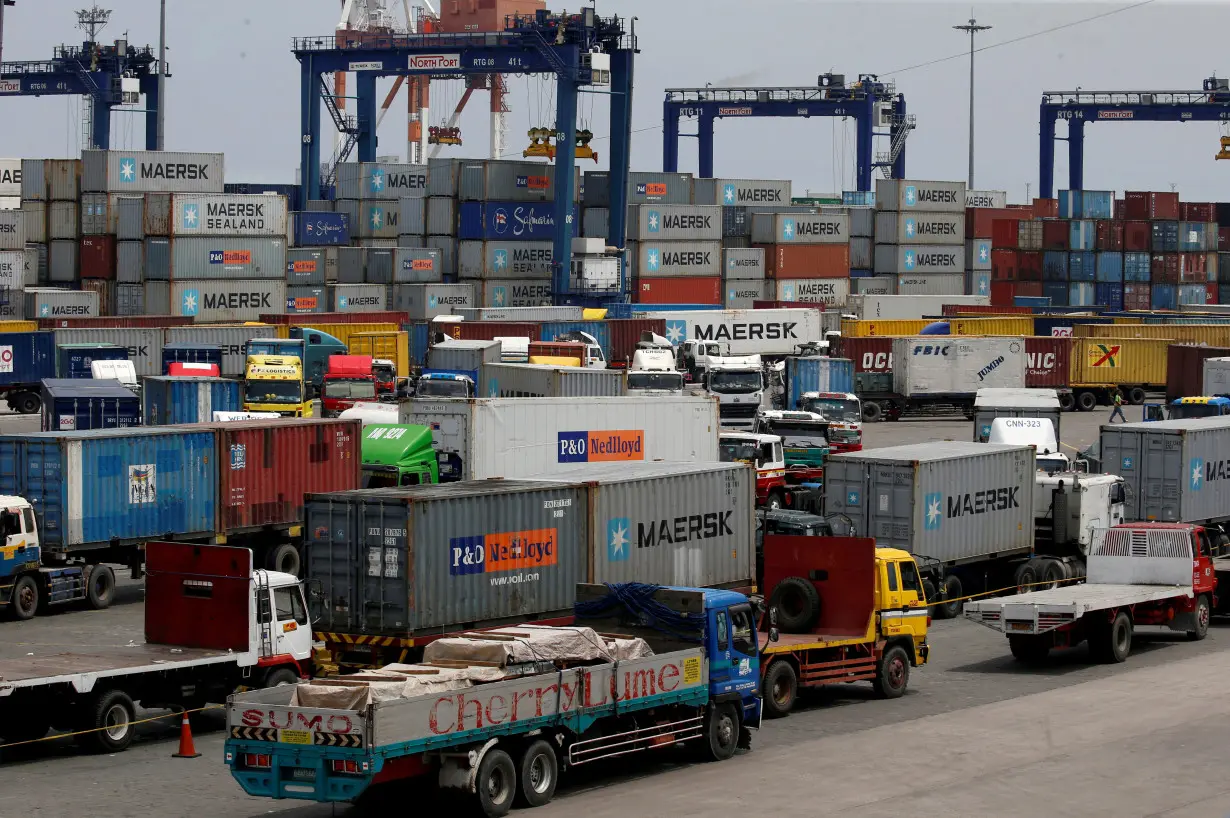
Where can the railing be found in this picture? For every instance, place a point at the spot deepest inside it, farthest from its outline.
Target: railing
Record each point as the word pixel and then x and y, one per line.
pixel 758 94
pixel 1079 97
pixel 377 42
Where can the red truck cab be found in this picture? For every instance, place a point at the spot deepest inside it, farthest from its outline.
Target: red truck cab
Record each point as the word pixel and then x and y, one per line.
pixel 348 380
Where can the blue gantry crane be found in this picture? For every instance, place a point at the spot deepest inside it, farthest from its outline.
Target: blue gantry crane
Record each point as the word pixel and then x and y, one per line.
pixel 877 109
pixel 1077 108
pixel 580 50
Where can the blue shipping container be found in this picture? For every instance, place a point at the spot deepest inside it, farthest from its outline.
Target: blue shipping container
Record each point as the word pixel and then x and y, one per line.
pixel 1165 237
pixel 1137 266
pixel 1110 267
pixel 73 360
pixel 191 354
pixel 1082 265
pixel 313 229
pixel 420 340
pixel 1045 325
pixel 1109 296
pixel 1070 204
pixel 188 400
pixel 1164 297
pixel 861 273
pixel 127 484
pixel 1192 294
pixel 507 221
pixel 858 198
pixel 80 404
pixel 1082 235
pixel 1194 237
pixel 817 374
pixel 1055 266
pixel 1039 301
pixel 1057 292
pixel 1223 294
pixel 27 357
pixel 1097 204
pixel 1081 294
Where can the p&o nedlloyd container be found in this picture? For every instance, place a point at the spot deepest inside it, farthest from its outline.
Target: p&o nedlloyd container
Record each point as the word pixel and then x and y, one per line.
pixel 1176 470
pixel 520 437
pixel 937 365
pixel 955 501
pixel 151 171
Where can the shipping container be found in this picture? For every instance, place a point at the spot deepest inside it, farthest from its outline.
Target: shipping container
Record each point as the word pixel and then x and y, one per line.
pixel 977 282
pixel 1187 372
pixel 919 228
pixel 675 258
pixel 1119 361
pixel 190 354
pixel 1047 362
pixel 464 356
pixel 501 259
pixel 62 266
pixel 320 229
pixel 978 254
pixel 130 262
pixel 105 291
pixel 792 261
pixel 931 284
pixel 501 293
pixel 909 195
pixel 985 199
pixel 448 254
pixel 1108 295
pixel 157 297
pixel 1150 206
pixel 1039 404
pixel 596 221
pixel 144 346
pixel 307 299
pixel 229 214
pixel 741 192
pixel 872 285
pixel 371 219
pixel 931 366
pixel 18 270
pixel 64 179
pixel 506 221
pixel 643 188
pixel 305 267
pixel 426 301
pixel 218 301
pixel 951 501
pixel 379 266
pixel 861 255
pixel 379 180
pixel 473 440
pixel 743 264
pixel 34 222
pixel 13 233
pixel 1173 468
pixel 150 171
pixel 1165 237
pixel 1082 294
pixel 99 214
pixel 226 259
pixel 1164 268
pixel 52 303
pixel 83 404
pixel 1211 334
pixel 742 294
pixel 415 265
pixel 800 228
pixel 1214 375
pixel 1164 297
pixel 500 380
pixel 1082 265
pixel 356 297
pixel 167 401
pixel 832 292
pixel 73 360
pixel 817 374
pixel 157 218
pixel 230 340
pixel 678 290
pixel 1137 267
pixel 33 180
pixel 776 332
pixel 654 223
pixel 97 257
pixel 899 259
pixel 389 346
pixel 1192 294
pixel 130 219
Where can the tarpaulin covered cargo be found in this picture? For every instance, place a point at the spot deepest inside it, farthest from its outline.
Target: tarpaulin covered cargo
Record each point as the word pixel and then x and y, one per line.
pixel 168 401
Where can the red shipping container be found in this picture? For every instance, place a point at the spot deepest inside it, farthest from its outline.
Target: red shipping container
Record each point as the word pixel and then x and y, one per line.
pixel 1029 265
pixel 1137 296
pixel 1005 233
pixel 268 467
pixel 1003 293
pixel 805 261
pixel 873 354
pixel 979 221
pixel 1110 235
pixel 1029 289
pixel 679 290
pixel 1185 369
pixel 1223 239
pixel 308 319
pixel 625 333
pixel 488 330
pixel 1137 237
pixel 102 288
pixel 1046 362
pixel 96 256
pixel 1047 209
pixel 1164 269
pixel 1151 206
pixel 1117 211
pixel 117 322
pixel 1004 265
pixel 1198 211
pixel 1055 233
pixel 1192 268
pixel 1210 292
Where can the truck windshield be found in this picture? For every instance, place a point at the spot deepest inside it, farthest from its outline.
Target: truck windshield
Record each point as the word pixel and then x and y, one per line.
pixel 385 477
pixel 1184 411
pixel 443 389
pixel 735 382
pixel 841 410
pixel 273 392
pixel 737 451
pixel 655 380
pixel 794 433
pixel 359 390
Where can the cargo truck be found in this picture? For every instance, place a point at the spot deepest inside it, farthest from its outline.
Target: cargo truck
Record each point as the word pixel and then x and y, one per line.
pixel 1100 367
pixel 212 624
pixel 348 380
pixel 653 372
pixel 945 373
pixel 804 436
pixel 843 412
pixel 396 455
pixel 273 383
pixel 692 682
pixel 318 346
pixel 1014 403
pixel 1158 574
pixel 777 486
pixel 31 357
pixel 1190 408
pixel 738 384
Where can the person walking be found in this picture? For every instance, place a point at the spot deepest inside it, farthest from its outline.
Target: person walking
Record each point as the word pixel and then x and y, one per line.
pixel 1118 410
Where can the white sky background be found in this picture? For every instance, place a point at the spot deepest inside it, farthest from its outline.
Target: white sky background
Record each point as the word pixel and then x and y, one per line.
pixel 235 87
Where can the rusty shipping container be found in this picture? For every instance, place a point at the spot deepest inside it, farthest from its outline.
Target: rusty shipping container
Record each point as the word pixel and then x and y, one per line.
pixel 792 261
pixel 1185 368
pixel 675 290
pixel 1047 362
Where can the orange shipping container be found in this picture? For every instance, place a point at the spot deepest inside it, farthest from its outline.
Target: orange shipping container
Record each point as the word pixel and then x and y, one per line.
pixel 807 260
pixel 684 290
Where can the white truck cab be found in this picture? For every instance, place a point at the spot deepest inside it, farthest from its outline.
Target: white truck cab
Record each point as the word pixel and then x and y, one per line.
pixel 514 349
pixel 594 358
pixel 739 385
pixel 844 413
pixel 653 373
pixel 1069 506
pixel 1036 432
pixel 695 356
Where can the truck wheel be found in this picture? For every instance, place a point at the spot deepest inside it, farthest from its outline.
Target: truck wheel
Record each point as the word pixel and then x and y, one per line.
pixel 1136 396
pixel 930 596
pixel 798 604
pixel 721 732
pixel 1029 649
pixel 1086 401
pixel 284 558
pixel 281 676
pixel 893 675
pixel 1066 402
pixel 27 403
pixel 1026 577
pixel 1117 642
pixel 872 412
pixel 100 587
pixel 109 717
pixel 25 598
pixel 496 783
pixel 538 776
pixel 779 689
pixel 952 591
pixel 1202 614
pixel 774 501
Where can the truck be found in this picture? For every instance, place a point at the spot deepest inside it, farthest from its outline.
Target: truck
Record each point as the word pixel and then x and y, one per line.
pixel 845 611
pixel 1195 406
pixel 690 679
pixel 1014 403
pixel 436 384
pixel 843 412
pixel 653 372
pixel 273 383
pixel 1036 432
pixel 739 385
pixel 318 347
pixel 804 436
pixel 940 372
pixel 397 455
pixel 771 333
pixel 33 357
pixel 776 486
pixel 815 374
pixel 578 345
pixel 1153 574
pixel 348 379
pixel 212 624
pixel 1102 367
pixel 391 347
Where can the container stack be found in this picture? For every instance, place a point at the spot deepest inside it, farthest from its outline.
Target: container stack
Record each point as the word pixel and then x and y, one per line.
pixel 311 262
pixel 19 229
pixel 382 203
pixel 982 208
pixel 675 253
pixel 920 235
pixel 806 255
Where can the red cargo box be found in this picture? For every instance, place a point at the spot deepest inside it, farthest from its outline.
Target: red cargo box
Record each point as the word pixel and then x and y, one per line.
pixel 1164 269
pixel 267 466
pixel 1047 209
pixel 1137 296
pixel 980 221
pixel 679 290
pixel 103 289
pixel 1117 211
pixel 1210 290
pixel 1223 239
pixel 1137 237
pixel 1198 211
pixel 1193 268
pixel 1151 206
pixel 873 354
pixel 1003 293
pixel 96 256
pixel 117 322
pixel 1005 233
pixel 789 261
pixel 1109 235
pixel 1185 368
pixel 1005 265
pixel 311 319
pixel 1029 289
pixel 1055 234
pixel 625 333
pixel 1029 265
pixel 488 330
pixel 1046 362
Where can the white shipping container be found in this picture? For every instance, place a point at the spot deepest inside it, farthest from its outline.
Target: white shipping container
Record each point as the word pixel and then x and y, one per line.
pixel 739 294
pixel 986 198
pixel 675 258
pixel 426 301
pixel 743 263
pixel 898 259
pixel 913 194
pixel 49 302
pixel 749 332
pixel 661 222
pixel 536 437
pixel 151 171
pixel 939 365
pixel 380 180
pixel 515 294
pixel 504 259
pixel 18 269
pixel 13 229
pixel 908 307
pixel 874 285
pixel 1216 376
pixel 229 214
pixel 829 291
pixel 223 300
pixel 358 297
pixel 144 345
pixel 932 284
pixel 919 228
pixel 800 228
pixel 741 192
pixel 10 178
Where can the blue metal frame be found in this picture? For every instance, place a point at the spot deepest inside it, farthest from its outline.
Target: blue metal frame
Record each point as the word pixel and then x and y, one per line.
pixel 708 104
pixel 91 70
pixel 1079 108
pixel 543 44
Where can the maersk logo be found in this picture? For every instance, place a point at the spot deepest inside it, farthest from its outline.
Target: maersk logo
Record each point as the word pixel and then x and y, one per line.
pixel 342 301
pixel 676 331
pixel 984 284
pixel 192 217
pixel 852 498
pixel 911 196
pixel 984 251
pixel 654 220
pixel 1128 463
pixel 44 310
pixel 909 259
pixel 1197 473
pixel 653 260
pixel 499 260
pixel 728 194
pixel 128 169
pixel 787 292
pixel 499 296
pixel 618 544
pixel 431 301
pixel 933 504
pixel 376 218
pixel 788 229
pixel 191 304
pixel 376 182
pixel 909 228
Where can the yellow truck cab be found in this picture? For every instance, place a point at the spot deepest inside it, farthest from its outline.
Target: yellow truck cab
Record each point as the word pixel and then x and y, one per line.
pixel 274 383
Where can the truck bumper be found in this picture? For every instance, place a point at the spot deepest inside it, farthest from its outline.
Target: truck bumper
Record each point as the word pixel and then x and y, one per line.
pixel 924 653
pixel 303 774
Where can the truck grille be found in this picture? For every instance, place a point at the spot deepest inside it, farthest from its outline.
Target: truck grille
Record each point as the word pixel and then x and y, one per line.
pixel 988 616
pixel 1053 620
pixel 737 410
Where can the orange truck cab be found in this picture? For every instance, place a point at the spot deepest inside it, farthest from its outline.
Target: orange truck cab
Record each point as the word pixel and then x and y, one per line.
pixel 348 380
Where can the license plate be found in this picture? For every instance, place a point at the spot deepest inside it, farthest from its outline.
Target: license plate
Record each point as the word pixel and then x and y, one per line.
pixel 295 737
pixel 1019 626
pixel 303 774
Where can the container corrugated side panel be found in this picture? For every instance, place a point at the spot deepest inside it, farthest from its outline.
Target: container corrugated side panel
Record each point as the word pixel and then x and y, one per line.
pixel 1121 361
pixel 139 171
pixel 144 345
pixel 33 179
pixel 230 340
pixel 33 467
pixel 227 300
pixel 195 257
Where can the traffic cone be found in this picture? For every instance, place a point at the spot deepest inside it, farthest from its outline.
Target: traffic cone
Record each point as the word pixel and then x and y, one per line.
pixel 186 748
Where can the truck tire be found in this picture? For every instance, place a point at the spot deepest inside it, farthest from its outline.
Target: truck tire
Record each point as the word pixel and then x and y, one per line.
pixel 27 403
pixel 872 412
pixel 25 599
pixel 1030 649
pixel 1026 576
pixel 930 596
pixel 1053 572
pixel 100 587
pixel 893 674
pixel 775 501
pixel 285 558
pixel 952 591
pixel 1117 640
pixel 280 676
pixel 1086 401
pixel 1066 402
pixel 798 604
pixel 1136 396
pixel 721 732
pixel 1202 614
pixel 109 716
pixel 779 689
pixel 495 784
pixel 538 775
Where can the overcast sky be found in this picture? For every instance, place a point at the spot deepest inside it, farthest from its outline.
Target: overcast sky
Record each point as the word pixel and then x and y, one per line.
pixel 235 85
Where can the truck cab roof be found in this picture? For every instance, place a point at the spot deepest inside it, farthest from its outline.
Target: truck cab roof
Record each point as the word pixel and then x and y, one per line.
pixel 831 395
pixel 1201 400
pixel 444 376
pixel 791 415
pixel 750 437
pixel 735 362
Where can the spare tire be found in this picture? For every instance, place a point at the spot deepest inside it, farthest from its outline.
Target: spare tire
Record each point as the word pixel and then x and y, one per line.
pixel 798 605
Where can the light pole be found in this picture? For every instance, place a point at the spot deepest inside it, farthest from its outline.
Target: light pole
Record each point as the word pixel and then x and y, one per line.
pixel 973 28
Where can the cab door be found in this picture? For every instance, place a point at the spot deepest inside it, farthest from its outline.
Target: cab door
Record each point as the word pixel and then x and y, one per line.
pixel 890 599
pixel 915 618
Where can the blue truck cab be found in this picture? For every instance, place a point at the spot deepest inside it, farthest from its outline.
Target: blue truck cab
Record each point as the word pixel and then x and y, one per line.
pixel 1199 406
pixel 684 669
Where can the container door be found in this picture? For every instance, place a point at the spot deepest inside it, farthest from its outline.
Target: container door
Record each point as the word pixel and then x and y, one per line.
pixel 890 511
pixel 1163 477
pixel 381 567
pixel 1120 452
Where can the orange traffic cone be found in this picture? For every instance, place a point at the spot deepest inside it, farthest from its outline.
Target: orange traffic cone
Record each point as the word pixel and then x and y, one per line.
pixel 186 748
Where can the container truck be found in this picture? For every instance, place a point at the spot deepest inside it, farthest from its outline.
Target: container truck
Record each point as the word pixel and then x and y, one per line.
pixel 777 486
pixel 212 624
pixel 26 358
pixel 77 404
pixel 804 436
pixel 384 346
pixel 1158 574
pixel 348 380
pixel 442 384
pixel 773 333
pixel 1100 367
pixel 991 403
pixel 816 373
pixel 738 383
pixel 169 400
pixel 457 358
pixel 692 682
pixel 653 372
pixel 396 455
pixel 843 412
pixel 274 383
pixel 534 437
pixel 313 350
pixel 935 371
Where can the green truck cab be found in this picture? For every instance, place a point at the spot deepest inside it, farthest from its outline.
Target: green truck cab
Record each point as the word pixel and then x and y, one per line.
pixel 397 454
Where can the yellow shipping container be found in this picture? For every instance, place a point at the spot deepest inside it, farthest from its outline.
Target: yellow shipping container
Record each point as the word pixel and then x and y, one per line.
pixel 1214 335
pixel 341 332
pixel 1006 325
pixel 1119 361
pixel 392 346
pixel 891 328
pixel 18 326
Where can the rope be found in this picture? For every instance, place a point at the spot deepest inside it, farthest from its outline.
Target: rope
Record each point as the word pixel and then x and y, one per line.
pixel 58 736
pixel 637 599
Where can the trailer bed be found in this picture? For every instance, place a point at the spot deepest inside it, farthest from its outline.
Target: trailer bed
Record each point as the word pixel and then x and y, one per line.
pixel 1042 611
pixel 81 667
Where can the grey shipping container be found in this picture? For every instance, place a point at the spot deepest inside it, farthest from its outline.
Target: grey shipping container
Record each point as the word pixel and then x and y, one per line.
pixel 372 218
pixel 130 262
pixel 441 216
pixel 675 258
pixel 229 214
pixel 446 557
pixel 675 223
pixel 95 214
pixel 62 262
pixel 44 272
pixel 502 293
pixel 800 228
pixel 596 222
pixel 509 181
pixel 463 356
pixel 444 176
pixel 978 254
pixel 34 180
pixel 411 240
pixel 524 314
pixel 144 345
pixel 157 259
pixel 215 300
pixel 158 297
pixel 896 259
pixel 227 258
pixel 931 284
pixel 910 194
pixel 157 214
pixel 63 221
pixel 862 222
pixel 351 264
pixel 448 253
pixel 861 257
pixel 63 179
pixel 379 265
pixel 643 188
pixel 413 218
pixel 358 297
pixel 129 300
pixel 500 380
pixel 919 228
pixel 130 224
pixel 875 285
pixel 305 267
pixel 416 265
pixel 307 299
pixel 741 294
pixel 331 257
pixel 380 180
pixel 743 264
pixel 35 222
pixel 319 206
pixel 741 192
pixel 953 501
pixel 151 171
pixel 10 180
pixel 18 270
pixel 1176 470
pixel 939 365
pixel 504 259
pixel 230 340
pixel 13 229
